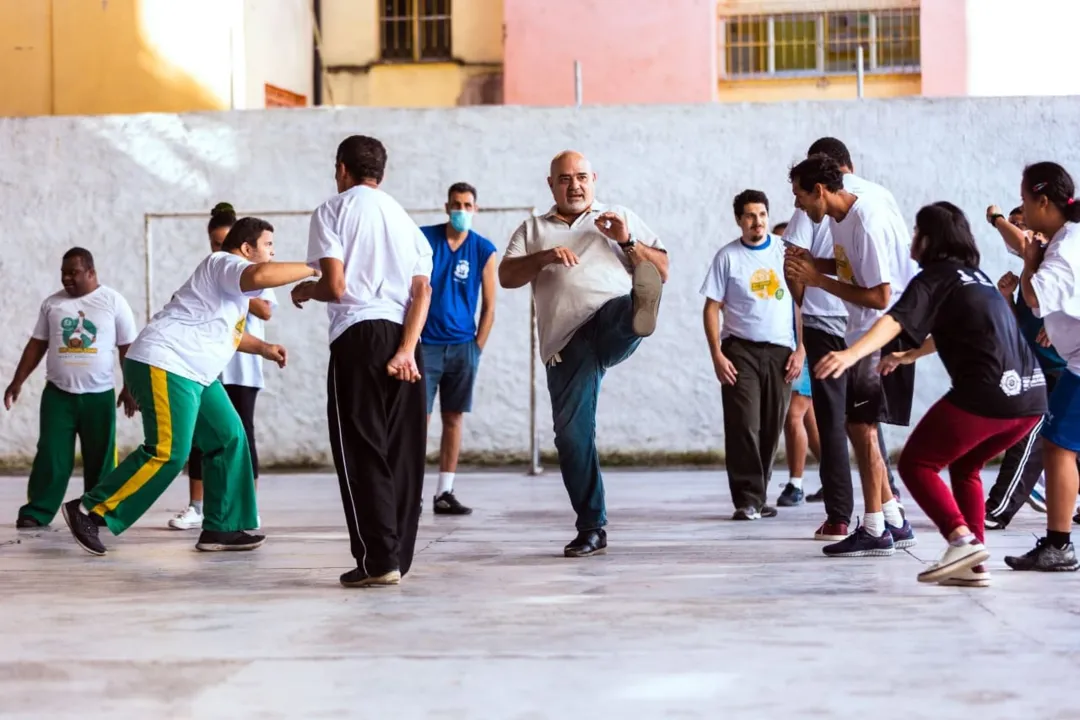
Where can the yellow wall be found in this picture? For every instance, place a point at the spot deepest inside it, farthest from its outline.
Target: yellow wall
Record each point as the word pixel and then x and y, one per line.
pixel 355 75
pixel 831 87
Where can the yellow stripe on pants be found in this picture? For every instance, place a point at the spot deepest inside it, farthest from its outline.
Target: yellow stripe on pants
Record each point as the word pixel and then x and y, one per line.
pixel 159 386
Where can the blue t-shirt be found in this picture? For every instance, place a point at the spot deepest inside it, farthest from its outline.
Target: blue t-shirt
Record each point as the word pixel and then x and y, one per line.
pixel 456 279
pixel 1030 326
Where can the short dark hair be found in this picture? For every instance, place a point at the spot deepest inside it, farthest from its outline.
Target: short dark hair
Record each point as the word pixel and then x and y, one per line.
pixel 748 197
pixel 1052 181
pixel 78 253
pixel 461 187
pixel 779 228
pixel 221 216
pixel 1018 210
pixel 819 169
pixel 944 233
pixel 364 157
pixel 246 231
pixel 832 147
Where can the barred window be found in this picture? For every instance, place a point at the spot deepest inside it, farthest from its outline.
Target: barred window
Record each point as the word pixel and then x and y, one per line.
pixel 415 30
pixel 821 43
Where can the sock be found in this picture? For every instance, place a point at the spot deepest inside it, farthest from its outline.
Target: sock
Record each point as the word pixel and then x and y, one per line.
pixel 796 482
pixel 891 510
pixel 963 540
pixel 874 522
pixel 1060 540
pixel 197 504
pixel 446 483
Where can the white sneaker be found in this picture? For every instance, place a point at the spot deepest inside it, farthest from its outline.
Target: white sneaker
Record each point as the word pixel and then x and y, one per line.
pixel 977 576
pixel 956 560
pixel 190 519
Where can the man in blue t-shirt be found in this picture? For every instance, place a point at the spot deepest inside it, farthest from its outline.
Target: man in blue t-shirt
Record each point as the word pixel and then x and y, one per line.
pixel 463 265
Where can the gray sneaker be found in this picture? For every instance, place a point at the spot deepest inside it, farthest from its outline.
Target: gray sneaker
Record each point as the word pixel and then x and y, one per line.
pixel 648 287
pixel 1044 557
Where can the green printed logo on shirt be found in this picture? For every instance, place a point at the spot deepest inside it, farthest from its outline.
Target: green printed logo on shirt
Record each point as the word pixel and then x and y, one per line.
pixel 79 334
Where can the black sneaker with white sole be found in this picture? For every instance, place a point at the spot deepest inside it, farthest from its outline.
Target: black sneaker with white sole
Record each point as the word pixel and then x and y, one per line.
pixel 25 522
pixel 790 497
pixel 82 527
pixel 648 287
pixel 447 504
pixel 357 578
pixel 213 541
pixel 1044 557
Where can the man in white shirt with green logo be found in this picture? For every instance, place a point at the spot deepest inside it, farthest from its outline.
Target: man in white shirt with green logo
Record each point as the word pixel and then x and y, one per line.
pixel 78 332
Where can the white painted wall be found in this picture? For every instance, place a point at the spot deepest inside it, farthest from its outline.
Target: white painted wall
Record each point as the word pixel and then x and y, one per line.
pixel 89 181
pixel 278 46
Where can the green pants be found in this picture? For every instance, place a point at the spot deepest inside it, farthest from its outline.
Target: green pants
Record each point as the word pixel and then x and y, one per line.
pixel 176 413
pixel 91 417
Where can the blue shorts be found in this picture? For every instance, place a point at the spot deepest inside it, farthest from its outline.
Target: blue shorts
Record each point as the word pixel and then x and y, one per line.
pixel 1062 424
pixel 802 383
pixel 450 372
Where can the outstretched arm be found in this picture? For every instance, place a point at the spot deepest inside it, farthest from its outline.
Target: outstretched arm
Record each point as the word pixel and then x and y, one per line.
pixel 273 274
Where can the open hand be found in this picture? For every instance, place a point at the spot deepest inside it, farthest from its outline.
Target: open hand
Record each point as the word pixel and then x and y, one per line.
pixel 403 366
pixel 128 401
pixel 275 353
pixel 833 365
pixel 890 362
pixel 725 370
pixel 562 256
pixel 613 226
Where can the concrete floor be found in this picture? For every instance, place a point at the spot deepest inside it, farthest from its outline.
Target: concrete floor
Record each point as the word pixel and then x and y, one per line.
pixel 690 615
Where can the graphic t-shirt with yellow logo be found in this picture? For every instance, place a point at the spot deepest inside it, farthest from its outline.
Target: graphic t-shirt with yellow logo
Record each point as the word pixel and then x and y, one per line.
pixel 843 265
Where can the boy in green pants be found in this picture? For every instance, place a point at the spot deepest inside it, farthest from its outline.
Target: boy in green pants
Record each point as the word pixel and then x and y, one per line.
pixel 79 330
pixel 171 369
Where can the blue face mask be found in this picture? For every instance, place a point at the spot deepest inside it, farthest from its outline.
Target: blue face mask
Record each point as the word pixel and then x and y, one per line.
pixel 461 220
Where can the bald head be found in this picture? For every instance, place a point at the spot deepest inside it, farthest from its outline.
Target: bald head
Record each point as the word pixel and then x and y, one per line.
pixel 572 182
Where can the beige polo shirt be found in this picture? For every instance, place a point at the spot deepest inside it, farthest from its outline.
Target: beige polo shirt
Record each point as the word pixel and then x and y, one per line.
pixel 567 297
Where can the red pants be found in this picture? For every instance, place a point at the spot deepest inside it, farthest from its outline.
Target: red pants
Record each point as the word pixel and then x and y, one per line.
pixel 950 437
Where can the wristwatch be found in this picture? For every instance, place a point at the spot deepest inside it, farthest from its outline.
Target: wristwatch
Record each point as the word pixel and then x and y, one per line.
pixel 628 246
pixel 994 219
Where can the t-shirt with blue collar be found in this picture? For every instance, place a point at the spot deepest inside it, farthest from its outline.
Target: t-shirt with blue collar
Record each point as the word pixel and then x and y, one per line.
pixel 456 279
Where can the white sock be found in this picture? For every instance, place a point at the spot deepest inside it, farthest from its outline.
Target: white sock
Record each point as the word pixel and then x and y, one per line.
pixel 963 540
pixel 874 522
pixel 446 483
pixel 797 482
pixel 197 504
pixel 892 514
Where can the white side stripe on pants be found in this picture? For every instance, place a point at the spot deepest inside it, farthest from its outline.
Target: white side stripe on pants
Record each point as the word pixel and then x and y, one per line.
pixel 345 468
pixel 1014 483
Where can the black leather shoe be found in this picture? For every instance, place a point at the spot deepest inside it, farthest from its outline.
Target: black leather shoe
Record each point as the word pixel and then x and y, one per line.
pixel 587 542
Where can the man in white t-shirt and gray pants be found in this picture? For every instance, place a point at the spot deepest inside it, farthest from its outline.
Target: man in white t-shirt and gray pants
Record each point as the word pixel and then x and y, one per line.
pixel 597 273
pixel 872 267
pixel 79 331
pixel 756 354
pixel 376 270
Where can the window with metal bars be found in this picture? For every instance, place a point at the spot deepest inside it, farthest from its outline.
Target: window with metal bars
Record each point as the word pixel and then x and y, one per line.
pixel 821 43
pixel 415 30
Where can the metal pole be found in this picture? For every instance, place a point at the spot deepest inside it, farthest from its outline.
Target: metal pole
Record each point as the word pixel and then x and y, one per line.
pixel 859 70
pixel 577 83
pixel 535 468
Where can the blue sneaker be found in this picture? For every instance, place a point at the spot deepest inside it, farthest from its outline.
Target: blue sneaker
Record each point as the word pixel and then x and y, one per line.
pixel 862 544
pixel 903 536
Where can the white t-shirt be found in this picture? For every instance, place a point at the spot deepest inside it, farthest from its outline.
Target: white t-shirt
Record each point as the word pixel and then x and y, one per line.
pixel 382 250
pixel 83 334
pixel 244 368
pixel 197 332
pixel 567 297
pixel 750 282
pixel 1057 287
pixel 872 247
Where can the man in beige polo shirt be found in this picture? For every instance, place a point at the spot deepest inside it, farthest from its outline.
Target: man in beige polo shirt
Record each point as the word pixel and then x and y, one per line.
pixel 596 272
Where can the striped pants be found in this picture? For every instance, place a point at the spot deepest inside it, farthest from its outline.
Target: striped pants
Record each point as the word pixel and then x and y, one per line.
pixel 176 413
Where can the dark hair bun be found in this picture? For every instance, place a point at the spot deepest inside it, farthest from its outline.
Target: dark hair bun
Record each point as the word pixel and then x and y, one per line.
pixel 223 208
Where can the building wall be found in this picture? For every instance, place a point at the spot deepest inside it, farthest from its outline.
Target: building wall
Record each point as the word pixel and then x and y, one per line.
pixel 279 47
pixel 676 166
pixel 631 51
pixel 944 48
pixel 356 75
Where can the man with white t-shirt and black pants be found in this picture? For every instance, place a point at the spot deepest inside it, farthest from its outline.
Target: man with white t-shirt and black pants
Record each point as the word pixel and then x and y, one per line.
pixel 376 270
pixel 872 266
pixel 756 355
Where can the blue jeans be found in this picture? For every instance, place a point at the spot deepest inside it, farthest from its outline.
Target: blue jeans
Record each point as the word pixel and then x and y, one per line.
pixel 574 383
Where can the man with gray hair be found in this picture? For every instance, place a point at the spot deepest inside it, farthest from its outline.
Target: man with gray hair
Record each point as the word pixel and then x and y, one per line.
pixel 597 272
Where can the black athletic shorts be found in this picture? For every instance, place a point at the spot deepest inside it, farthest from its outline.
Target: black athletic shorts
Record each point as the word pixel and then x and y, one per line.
pixel 873 398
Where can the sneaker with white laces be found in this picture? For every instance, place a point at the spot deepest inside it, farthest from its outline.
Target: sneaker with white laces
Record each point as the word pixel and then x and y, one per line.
pixel 189 519
pixel 955 561
pixel 977 576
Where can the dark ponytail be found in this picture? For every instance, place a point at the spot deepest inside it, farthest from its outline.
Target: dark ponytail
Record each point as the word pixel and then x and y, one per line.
pixel 222 216
pixel 1052 181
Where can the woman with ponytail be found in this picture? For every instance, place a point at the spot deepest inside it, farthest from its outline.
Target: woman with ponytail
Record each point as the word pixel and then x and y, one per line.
pixel 1050 285
pixel 998 391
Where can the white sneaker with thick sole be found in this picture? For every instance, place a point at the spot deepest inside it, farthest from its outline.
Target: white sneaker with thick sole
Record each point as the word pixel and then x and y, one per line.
pixel 977 576
pixel 190 519
pixel 956 560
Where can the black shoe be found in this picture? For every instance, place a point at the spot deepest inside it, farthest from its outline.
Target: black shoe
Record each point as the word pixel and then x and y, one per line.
pixel 25 522
pixel 818 496
pixel 767 511
pixel 1044 557
pixel 447 504
pixel 746 513
pixel 82 527
pixel 213 541
pixel 359 579
pixel 98 520
pixel 790 497
pixel 587 542
pixel 993 523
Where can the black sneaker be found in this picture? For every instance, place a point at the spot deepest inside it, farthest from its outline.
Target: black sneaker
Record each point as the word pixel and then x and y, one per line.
pixel 648 287
pixel 587 542
pixel 25 522
pixel 82 527
pixel 818 496
pixel 767 511
pixel 447 504
pixel 790 497
pixel 213 541
pixel 98 520
pixel 746 513
pixel 992 523
pixel 1044 557
pixel 359 579
pixel 862 544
